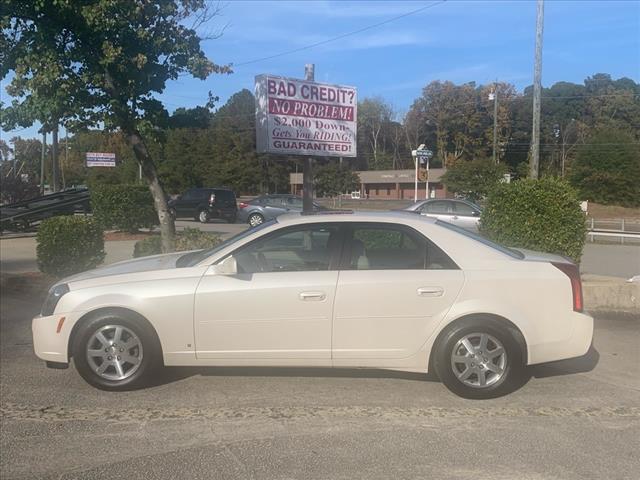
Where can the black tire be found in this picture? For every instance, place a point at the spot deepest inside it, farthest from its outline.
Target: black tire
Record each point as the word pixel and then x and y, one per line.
pixel 232 219
pixel 203 216
pixel 258 219
pixel 512 374
pixel 150 349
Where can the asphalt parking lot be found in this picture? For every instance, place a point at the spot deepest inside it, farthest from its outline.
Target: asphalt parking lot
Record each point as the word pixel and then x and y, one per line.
pixel 576 419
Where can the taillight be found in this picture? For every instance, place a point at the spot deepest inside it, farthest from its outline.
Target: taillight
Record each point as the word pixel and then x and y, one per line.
pixel 243 205
pixel 571 271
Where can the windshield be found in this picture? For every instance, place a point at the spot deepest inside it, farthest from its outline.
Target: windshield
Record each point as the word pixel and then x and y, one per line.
pixel 485 241
pixel 193 258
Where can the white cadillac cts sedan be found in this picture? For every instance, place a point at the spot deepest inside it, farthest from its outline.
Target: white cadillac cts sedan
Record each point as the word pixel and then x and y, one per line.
pixel 381 290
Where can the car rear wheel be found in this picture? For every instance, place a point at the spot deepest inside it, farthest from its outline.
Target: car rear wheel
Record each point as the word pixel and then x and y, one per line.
pixel 479 359
pixel 255 219
pixel 113 352
pixel 203 216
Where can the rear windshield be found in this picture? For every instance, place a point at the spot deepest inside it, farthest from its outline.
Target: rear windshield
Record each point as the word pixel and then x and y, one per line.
pixel 225 195
pixel 485 241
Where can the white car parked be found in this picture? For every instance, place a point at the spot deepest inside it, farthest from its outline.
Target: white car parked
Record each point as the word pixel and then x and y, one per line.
pixel 382 290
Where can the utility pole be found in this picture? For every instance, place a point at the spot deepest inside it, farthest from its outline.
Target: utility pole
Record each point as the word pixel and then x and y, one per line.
pixel 54 157
pixel 534 160
pixel 307 173
pixel 495 121
pixel 66 157
pixel 42 159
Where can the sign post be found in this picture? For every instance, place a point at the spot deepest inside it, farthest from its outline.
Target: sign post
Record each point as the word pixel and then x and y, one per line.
pixel 302 117
pixel 423 156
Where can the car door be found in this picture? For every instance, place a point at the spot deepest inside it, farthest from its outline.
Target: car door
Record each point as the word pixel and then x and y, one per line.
pixel 465 216
pixel 182 204
pixel 274 206
pixel 394 288
pixel 278 306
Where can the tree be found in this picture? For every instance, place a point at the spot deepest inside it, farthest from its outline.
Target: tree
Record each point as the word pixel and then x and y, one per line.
pixel 333 179
pixel 607 169
pixel 107 58
pixel 474 179
pixel 374 116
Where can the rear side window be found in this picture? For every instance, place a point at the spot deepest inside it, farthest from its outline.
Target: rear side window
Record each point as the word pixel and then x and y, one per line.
pixel 224 196
pixel 389 247
pixel 463 209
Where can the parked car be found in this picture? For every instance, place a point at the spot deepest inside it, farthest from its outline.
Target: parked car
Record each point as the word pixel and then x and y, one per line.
pixel 382 290
pixel 203 204
pixel 458 212
pixel 267 207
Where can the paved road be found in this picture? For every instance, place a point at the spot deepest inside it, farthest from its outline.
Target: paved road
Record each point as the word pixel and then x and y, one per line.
pixel 573 420
pixel 612 260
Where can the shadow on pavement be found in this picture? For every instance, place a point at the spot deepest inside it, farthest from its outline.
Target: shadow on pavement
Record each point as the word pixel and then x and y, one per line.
pixel 173 374
pixel 583 364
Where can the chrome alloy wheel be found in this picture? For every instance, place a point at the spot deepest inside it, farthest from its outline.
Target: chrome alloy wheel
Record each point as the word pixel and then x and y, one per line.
pixel 479 360
pixel 114 352
pixel 203 216
pixel 255 220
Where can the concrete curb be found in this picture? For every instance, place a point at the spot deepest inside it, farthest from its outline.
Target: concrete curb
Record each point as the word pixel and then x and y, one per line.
pixel 610 294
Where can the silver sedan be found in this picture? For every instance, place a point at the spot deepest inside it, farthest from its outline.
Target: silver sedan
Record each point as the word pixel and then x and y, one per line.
pixel 458 212
pixel 267 207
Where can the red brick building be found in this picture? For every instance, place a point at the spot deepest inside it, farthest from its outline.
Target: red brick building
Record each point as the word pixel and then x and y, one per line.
pixel 388 184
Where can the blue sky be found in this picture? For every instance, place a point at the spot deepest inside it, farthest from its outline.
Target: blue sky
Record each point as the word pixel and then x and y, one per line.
pixel 460 41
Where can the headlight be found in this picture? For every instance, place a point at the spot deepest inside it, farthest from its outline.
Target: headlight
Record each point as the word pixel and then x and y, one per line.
pixel 54 296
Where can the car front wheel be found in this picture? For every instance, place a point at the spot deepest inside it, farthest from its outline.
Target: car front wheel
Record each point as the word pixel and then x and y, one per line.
pixel 255 219
pixel 203 216
pixel 113 352
pixel 479 360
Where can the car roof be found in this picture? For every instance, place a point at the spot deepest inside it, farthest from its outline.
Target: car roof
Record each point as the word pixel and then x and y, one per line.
pixel 401 217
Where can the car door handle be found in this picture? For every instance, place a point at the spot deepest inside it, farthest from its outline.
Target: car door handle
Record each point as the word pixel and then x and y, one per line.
pixel 309 296
pixel 431 291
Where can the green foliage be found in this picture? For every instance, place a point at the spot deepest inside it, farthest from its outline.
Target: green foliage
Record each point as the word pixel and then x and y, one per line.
pixel 607 169
pixel 68 245
pixel 188 239
pixel 542 215
pixel 474 179
pixel 15 188
pixel 123 207
pixel 333 179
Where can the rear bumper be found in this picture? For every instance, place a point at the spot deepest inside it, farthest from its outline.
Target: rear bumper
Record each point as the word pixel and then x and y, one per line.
pixel 575 346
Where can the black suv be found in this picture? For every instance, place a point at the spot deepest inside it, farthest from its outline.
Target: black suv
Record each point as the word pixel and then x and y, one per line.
pixel 203 204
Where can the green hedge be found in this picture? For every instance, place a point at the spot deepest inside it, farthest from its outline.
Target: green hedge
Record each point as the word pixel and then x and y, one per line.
pixel 123 207
pixel 188 239
pixel 68 245
pixel 542 215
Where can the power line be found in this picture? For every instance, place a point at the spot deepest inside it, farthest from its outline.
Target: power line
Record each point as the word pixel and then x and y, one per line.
pixel 339 37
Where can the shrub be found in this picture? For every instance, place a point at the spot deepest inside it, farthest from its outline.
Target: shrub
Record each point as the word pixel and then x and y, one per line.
pixel 188 239
pixel 68 245
pixel 536 214
pixel 123 207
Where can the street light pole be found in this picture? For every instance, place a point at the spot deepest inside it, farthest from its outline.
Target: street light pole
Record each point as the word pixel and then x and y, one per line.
pixel 495 121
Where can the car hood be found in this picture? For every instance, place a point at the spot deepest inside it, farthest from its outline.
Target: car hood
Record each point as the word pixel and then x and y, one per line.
pixel 144 264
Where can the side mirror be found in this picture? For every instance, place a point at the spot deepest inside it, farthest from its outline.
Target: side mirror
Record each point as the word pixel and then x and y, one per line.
pixel 228 266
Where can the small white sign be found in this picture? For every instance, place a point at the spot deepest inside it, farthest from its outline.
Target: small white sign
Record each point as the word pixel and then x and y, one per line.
pixel 305 118
pixel 101 159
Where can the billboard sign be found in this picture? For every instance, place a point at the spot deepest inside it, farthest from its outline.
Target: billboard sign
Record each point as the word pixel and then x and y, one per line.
pixel 99 159
pixel 299 117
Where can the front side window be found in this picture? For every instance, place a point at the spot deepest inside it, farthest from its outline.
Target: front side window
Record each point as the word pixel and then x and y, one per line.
pixel 382 247
pixel 437 207
pixel 297 249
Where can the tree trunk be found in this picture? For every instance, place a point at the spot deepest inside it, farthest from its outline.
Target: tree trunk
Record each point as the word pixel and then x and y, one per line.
pixel 167 225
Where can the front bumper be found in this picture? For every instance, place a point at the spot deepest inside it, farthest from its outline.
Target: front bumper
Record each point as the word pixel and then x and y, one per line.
pixel 49 344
